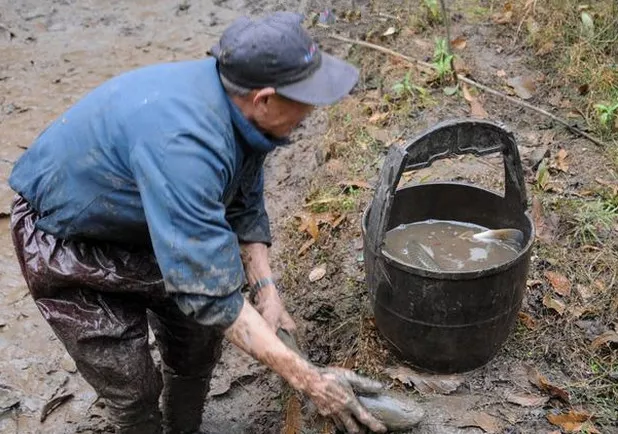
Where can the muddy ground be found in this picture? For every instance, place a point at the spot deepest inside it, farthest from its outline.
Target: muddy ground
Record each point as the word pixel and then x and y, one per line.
pixel 53 52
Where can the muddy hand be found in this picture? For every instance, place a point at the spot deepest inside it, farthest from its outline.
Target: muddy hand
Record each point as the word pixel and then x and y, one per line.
pixel 333 395
pixel 270 306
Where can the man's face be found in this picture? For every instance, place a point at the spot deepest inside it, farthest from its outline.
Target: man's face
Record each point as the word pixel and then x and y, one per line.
pixel 278 116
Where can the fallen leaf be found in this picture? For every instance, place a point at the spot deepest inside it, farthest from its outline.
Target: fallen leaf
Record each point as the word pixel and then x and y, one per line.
pixel 356 184
pixel 317 273
pixel 609 336
pixel 585 292
pixel 545 49
pixel 476 109
pixel 527 320
pixel 486 422
pixel 587 25
pixel 426 383
pixel 543 384
pixel 542 175
pixel 503 17
pixel 545 227
pixel 560 160
pixel 389 31
pixel 527 400
pixel 460 67
pixel 459 43
pixel 450 90
pixel 524 87
pixel 308 224
pixel 552 303
pixel 293 417
pixel 378 118
pixel 501 73
pixel 559 282
pixel 573 421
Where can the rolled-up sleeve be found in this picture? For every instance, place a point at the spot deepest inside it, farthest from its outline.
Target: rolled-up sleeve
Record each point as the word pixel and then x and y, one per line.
pixel 181 183
pixel 247 213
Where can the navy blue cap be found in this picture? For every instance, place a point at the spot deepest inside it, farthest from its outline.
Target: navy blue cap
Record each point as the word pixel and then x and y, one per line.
pixel 276 51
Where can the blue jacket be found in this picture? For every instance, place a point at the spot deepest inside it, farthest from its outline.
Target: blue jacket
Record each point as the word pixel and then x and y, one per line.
pixel 159 156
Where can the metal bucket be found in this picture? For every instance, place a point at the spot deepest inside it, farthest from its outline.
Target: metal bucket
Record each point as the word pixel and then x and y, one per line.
pixel 447 322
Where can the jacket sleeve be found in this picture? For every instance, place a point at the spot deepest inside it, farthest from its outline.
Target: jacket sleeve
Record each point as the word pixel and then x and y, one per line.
pixel 181 183
pixel 247 213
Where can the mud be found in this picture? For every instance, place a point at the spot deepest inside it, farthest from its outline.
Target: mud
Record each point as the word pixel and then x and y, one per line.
pixel 445 246
pixel 51 54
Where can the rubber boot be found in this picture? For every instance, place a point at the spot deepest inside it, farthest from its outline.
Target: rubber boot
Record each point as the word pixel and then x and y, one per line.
pixel 183 403
pixel 132 423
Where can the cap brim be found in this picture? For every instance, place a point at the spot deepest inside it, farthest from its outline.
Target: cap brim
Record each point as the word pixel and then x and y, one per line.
pixel 332 82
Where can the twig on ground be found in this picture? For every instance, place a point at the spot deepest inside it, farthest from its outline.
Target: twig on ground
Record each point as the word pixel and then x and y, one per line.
pixel 473 83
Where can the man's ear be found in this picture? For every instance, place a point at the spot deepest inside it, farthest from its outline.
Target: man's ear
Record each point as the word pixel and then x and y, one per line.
pixel 262 96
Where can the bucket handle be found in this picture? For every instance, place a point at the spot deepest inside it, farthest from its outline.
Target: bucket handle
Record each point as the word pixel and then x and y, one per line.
pixel 446 139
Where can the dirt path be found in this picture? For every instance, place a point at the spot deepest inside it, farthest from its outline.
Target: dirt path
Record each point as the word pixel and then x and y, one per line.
pixel 53 52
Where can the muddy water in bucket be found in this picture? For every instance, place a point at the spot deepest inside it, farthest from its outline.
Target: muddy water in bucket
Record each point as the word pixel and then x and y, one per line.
pixel 442 245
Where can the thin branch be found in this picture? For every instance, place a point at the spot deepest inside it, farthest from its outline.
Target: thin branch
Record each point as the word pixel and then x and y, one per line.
pixel 487 89
pixel 447 26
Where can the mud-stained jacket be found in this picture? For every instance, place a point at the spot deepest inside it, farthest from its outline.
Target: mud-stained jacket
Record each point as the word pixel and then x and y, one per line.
pixel 158 156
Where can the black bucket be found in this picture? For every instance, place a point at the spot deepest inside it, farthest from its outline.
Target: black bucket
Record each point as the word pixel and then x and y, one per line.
pixel 447 322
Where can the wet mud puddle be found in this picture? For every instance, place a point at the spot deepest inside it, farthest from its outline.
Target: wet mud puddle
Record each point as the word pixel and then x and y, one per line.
pixel 442 245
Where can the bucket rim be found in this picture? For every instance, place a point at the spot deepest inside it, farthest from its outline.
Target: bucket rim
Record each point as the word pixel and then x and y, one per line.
pixel 453 275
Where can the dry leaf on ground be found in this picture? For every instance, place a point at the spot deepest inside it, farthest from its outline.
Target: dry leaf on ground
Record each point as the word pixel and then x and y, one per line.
pixel 426 383
pixel 560 161
pixel 543 384
pixel 378 118
pixel 505 16
pixel 476 109
pixel 609 336
pixel 317 273
pixel 293 416
pixel 545 49
pixel 527 320
pixel 460 66
pixel 524 87
pixel 390 31
pixel 484 421
pixel 573 421
pixel 527 400
pixel 545 226
pixel 551 303
pixel 309 224
pixel 559 282
pixel 459 43
pixel 585 292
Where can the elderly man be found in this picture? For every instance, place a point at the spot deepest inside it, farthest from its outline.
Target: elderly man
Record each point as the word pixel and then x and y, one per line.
pixel 143 204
